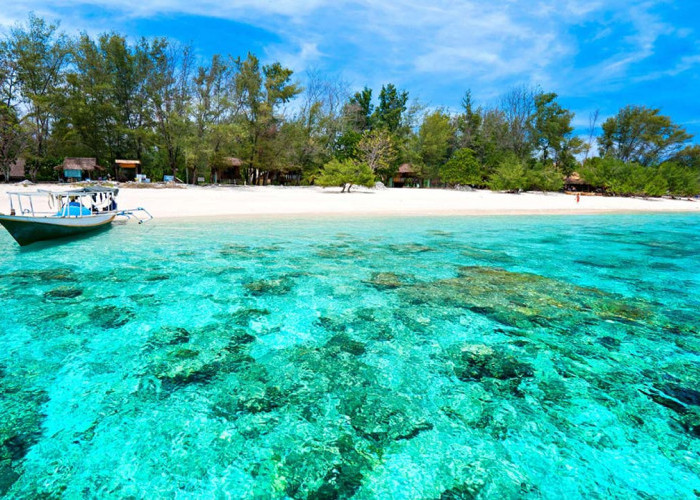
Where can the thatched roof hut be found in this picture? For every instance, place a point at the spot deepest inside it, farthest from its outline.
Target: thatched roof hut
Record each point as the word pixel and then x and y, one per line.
pixel 406 168
pixel 79 164
pixel 574 179
pixel 575 182
pixel 77 168
pixel 17 169
pixel 228 170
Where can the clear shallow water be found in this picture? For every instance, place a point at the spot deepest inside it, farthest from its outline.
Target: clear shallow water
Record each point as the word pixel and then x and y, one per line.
pixel 554 357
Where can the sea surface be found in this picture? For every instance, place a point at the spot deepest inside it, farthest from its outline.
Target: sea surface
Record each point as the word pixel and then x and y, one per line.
pixel 422 358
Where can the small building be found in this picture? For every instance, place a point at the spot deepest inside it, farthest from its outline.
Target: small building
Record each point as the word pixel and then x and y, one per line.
pixel 17 170
pixel 77 169
pixel 406 176
pixel 127 169
pixel 228 171
pixel 574 183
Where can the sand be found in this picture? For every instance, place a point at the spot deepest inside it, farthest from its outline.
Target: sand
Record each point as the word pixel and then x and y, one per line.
pixel 208 201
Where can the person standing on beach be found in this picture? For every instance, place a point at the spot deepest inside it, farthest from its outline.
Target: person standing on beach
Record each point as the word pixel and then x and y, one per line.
pixel 578 197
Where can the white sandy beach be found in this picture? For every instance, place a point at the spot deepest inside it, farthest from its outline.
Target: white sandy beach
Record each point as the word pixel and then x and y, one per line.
pixel 201 201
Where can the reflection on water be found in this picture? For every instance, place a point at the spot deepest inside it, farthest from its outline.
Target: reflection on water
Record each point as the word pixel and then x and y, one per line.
pixel 375 358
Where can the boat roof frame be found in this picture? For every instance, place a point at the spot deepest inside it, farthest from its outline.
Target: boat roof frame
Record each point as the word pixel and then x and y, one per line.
pixel 87 191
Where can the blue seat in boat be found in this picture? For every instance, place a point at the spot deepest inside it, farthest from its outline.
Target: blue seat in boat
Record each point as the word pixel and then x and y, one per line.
pixel 73 209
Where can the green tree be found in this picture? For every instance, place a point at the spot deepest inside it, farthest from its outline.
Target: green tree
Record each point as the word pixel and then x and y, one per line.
pixel 544 176
pixel 435 137
pixel 640 134
pixel 463 168
pixel 345 174
pixel 689 157
pixel 169 95
pixel 681 180
pixel 40 54
pixel 392 106
pixel 510 175
pixel 260 91
pixel 552 130
pixel 12 139
pixel 467 124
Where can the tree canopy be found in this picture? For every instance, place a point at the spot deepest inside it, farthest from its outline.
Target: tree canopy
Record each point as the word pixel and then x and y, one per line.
pixel 155 101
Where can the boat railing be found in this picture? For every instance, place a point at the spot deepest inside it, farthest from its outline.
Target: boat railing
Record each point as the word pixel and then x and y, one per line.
pixel 64 201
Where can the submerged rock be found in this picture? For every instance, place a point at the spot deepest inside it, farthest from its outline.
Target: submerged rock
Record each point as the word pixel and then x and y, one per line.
pixel 473 362
pixel 384 281
pixel 109 317
pixel 63 292
pixel 243 317
pixel 278 286
pixel 21 407
pixel 345 343
pixel 180 357
pixel 58 274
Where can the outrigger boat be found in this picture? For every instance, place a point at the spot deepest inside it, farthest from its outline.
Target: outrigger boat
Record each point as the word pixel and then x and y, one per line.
pixel 46 215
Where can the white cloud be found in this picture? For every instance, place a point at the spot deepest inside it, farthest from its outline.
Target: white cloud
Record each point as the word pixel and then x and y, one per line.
pixel 479 41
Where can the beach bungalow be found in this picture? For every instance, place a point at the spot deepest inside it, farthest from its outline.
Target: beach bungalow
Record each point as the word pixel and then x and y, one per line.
pixel 17 170
pixel 77 169
pixel 228 171
pixel 575 184
pixel 407 175
pixel 127 169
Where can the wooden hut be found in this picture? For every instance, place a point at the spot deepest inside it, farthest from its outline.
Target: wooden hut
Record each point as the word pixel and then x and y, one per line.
pixel 406 175
pixel 17 169
pixel 574 183
pixel 77 169
pixel 227 171
pixel 127 169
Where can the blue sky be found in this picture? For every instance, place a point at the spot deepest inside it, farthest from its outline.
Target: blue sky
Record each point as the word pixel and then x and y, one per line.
pixel 595 54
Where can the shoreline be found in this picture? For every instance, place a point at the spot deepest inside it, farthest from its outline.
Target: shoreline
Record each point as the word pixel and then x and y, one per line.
pixel 287 202
pixel 409 215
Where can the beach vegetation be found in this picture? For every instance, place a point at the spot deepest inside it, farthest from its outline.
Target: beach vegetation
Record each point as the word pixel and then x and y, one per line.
pixel 237 119
pixel 510 175
pixel 376 149
pixel 345 174
pixel 463 169
pixel 12 139
pixel 641 135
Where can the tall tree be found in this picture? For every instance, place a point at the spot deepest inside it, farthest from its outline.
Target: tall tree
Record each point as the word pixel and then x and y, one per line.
pixel 377 150
pixel 435 137
pixel 518 107
pixel 392 105
pixel 551 132
pixel 468 123
pixel 40 56
pixel 640 134
pixel 12 139
pixel 261 91
pixel 169 95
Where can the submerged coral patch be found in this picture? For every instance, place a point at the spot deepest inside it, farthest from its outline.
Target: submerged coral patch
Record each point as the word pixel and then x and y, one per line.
pixel 439 358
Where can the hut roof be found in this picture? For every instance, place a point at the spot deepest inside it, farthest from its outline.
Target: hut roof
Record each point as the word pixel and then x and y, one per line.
pixel 17 168
pixel 406 168
pixel 84 164
pixel 128 163
pixel 233 162
pixel 574 178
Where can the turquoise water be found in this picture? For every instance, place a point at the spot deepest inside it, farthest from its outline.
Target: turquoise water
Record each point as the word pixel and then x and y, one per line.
pixel 437 358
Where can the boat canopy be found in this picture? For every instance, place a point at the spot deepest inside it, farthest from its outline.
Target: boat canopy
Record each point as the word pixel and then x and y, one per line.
pixel 86 191
pixel 85 201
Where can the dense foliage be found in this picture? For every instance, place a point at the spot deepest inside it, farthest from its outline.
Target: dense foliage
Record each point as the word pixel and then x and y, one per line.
pixel 155 101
